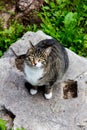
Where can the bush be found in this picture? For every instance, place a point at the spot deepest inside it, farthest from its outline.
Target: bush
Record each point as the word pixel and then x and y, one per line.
pixel 12 34
pixel 9 36
pixel 66 21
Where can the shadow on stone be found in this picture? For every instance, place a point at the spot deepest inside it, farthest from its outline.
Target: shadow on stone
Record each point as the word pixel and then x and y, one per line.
pixel 41 89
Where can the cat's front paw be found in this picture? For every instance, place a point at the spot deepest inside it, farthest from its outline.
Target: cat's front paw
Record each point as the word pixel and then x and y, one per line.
pixel 33 91
pixel 48 96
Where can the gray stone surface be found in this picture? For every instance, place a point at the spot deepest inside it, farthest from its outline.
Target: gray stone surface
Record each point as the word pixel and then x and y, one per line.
pixel 34 112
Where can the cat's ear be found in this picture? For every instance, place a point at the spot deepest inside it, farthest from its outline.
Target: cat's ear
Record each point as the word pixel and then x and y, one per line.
pixel 31 45
pixel 31 49
pixel 47 51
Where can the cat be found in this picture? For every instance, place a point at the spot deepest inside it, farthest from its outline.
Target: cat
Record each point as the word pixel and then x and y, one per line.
pixel 44 64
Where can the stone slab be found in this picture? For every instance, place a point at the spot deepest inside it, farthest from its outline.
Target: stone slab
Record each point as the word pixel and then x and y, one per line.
pixel 35 112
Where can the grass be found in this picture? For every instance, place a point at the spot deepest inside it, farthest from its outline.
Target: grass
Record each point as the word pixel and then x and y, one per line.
pixel 64 20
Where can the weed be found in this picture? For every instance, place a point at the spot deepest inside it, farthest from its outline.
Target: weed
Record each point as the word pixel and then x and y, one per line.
pixel 10 35
pixel 4 127
pixel 66 21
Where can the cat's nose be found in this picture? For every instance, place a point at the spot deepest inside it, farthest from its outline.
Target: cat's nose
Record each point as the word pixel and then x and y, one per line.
pixel 34 63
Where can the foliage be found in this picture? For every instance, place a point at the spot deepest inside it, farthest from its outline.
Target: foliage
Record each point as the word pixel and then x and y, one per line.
pixel 66 21
pixel 4 127
pixel 10 35
pixel 2 124
pixel 13 33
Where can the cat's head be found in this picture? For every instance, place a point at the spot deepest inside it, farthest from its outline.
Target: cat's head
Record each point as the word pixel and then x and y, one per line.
pixel 37 57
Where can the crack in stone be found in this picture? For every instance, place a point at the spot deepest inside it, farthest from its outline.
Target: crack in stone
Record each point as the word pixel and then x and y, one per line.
pixel 80 75
pixel 8 116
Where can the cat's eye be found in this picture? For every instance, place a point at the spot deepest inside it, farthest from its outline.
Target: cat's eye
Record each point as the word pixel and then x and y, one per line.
pixel 44 62
pixel 31 58
pixel 39 60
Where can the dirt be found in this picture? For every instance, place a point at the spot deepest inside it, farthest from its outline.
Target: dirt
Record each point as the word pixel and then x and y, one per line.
pixel 9 11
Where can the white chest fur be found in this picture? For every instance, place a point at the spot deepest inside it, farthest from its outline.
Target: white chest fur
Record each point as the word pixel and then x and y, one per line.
pixel 32 75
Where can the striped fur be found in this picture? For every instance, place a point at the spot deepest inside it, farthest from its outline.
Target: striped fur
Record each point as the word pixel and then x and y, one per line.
pixel 56 61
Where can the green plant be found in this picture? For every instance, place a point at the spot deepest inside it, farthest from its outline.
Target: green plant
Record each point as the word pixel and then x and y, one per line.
pixel 13 33
pixel 66 21
pixel 4 127
pixel 10 35
pixel 2 124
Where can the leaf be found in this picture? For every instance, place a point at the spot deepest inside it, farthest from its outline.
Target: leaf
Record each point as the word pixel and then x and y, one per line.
pixel 1 53
pixel 2 125
pixel 46 1
pixel 70 19
pixel 52 4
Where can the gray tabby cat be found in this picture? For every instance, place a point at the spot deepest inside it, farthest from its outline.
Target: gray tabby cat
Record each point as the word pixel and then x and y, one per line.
pixel 44 64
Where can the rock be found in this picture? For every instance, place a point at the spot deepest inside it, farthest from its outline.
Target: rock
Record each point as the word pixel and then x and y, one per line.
pixel 27 9
pixel 23 5
pixel 35 112
pixel 8 116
